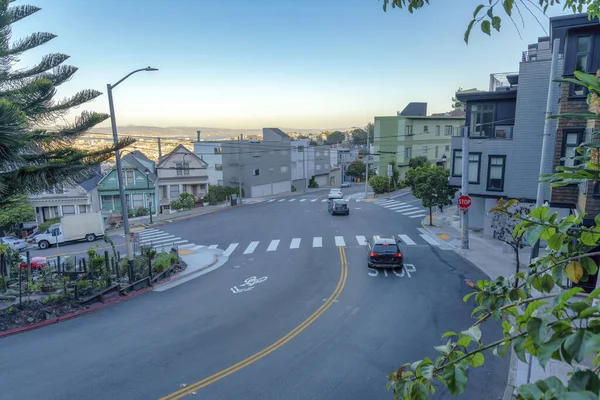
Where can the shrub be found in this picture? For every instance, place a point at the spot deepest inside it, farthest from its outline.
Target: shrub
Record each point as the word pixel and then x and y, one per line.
pixel 83 284
pixel 218 194
pixel 141 212
pixel 164 262
pixel 50 299
pixel 313 183
pixel 379 183
pixel 293 188
pixel 185 202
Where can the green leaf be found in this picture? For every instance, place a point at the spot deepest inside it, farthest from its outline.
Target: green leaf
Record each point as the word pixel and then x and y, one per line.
pixel 547 232
pixel 486 27
pixel 587 79
pixel 427 371
pixel 536 282
pixel 575 345
pixel 577 306
pixel 531 307
pixel 539 213
pixel 477 9
pixel 589 265
pixel 464 341
pixel 418 391
pixel 597 217
pixel 563 297
pixel 478 309
pixel 556 241
pixel 584 380
pixel 473 332
pixel 547 283
pixel 546 350
pixel 552 385
pixel 537 330
pixel 518 348
pixel 595 293
pixel 496 21
pixel 508 5
pixel 534 234
pixel 476 360
pixel 455 378
pixel 468 296
pixel 444 349
pixel 448 334
pixel 574 271
pixel 589 238
pixel 530 391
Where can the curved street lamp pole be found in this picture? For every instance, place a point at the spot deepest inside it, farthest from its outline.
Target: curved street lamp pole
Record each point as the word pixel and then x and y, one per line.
pixel 124 208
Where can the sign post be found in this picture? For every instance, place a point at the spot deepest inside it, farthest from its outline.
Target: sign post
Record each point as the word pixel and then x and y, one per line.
pixel 464 202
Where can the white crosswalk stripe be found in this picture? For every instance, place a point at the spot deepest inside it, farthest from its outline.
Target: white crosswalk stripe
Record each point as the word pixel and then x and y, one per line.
pixel 273 245
pixel 213 246
pixel 323 201
pixel 412 212
pixel 410 209
pixel 400 208
pixel 428 239
pixel 362 241
pixel 301 200
pixel 251 247
pixel 281 200
pixel 339 241
pixel 313 200
pixel 392 205
pixel 295 243
pixel 230 249
pixel 270 201
pixel 406 240
pixel 418 216
pixel 317 242
pixel 292 199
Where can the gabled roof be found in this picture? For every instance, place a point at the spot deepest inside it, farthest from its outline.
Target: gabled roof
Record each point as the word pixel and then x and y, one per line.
pixel 175 151
pixel 279 132
pixel 91 183
pixel 137 164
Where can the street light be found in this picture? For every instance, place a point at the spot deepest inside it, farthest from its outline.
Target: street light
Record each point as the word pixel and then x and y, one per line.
pixel 147 171
pixel 124 208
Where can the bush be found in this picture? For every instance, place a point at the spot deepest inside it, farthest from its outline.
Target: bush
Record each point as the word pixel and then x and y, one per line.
pixel 218 194
pixel 50 299
pixel 293 188
pixel 185 202
pixel 164 261
pixel 83 284
pixel 45 225
pixel 380 184
pixel 313 183
pixel 141 212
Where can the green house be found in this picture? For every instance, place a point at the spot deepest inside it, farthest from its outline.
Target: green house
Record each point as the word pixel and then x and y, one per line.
pixel 139 179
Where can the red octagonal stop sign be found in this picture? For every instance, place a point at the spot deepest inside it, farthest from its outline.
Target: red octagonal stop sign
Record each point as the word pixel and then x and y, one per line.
pixel 464 202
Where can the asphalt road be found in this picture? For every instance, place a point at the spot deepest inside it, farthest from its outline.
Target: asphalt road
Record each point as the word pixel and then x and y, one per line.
pixel 361 324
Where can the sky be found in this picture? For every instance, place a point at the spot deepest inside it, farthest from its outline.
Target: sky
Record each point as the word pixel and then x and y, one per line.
pixel 250 64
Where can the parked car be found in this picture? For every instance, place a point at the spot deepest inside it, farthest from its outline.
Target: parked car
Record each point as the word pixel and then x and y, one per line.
pixel 36 262
pixel 384 252
pixel 338 206
pixel 346 184
pixel 335 194
pixel 14 242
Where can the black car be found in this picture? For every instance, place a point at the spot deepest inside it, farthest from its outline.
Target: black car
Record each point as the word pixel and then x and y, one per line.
pixel 338 206
pixel 384 252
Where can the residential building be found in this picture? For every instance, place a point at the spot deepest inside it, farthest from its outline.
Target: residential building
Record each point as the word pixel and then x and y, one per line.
pixel 411 133
pixel 342 157
pixel 139 179
pixel 77 198
pixel 319 166
pixel 263 167
pixel 299 151
pixel 181 171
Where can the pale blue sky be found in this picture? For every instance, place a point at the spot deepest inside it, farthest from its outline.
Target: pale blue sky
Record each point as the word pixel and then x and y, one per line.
pixel 255 63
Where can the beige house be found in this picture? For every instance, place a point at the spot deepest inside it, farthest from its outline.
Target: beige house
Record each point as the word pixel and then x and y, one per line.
pixel 181 171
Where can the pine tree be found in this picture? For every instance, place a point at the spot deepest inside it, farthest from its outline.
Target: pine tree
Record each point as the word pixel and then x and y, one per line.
pixel 35 155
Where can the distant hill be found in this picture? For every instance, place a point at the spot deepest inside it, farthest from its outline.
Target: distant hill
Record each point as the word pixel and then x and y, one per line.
pixel 207 132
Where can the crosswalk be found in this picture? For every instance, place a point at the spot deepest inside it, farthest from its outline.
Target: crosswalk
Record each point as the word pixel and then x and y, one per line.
pixel 159 239
pixel 354 197
pixel 408 209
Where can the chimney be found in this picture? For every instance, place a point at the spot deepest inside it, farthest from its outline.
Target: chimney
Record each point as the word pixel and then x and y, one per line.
pixel 198 132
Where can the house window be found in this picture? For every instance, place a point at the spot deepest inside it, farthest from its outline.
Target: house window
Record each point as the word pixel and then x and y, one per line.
pixel 408 130
pixel 173 191
pixel 284 168
pixel 424 149
pixel 183 168
pixel 571 142
pixel 437 130
pixel 448 130
pixel 129 178
pixel 68 210
pixel 165 195
pixel 408 153
pixel 218 167
pixel 326 153
pixel 184 188
pixel 581 62
pixel 218 150
pixel 203 186
pixel 496 167
pixel 482 119
pixel 82 208
pixel 138 200
pixel 300 149
pixel 326 166
pixel 107 203
pixel 256 172
pixel 318 154
pixel 318 167
pixel 271 169
pixel 447 147
pixel 425 129
pixel 474 166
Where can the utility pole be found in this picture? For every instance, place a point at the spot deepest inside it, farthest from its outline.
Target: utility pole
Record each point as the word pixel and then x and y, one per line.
pixel 304 167
pixel 465 187
pixel 241 169
pixel 159 150
pixel 552 86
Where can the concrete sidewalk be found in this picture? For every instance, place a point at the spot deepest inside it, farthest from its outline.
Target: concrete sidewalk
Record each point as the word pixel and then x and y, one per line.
pixel 495 259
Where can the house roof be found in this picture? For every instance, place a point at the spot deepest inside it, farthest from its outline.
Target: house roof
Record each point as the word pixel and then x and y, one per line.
pixel 132 159
pixel 175 150
pixel 414 109
pixel 478 95
pixel 91 183
pixel 279 132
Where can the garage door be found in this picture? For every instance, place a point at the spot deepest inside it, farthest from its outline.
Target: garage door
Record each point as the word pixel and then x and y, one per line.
pixel 322 180
pixel 261 190
pixel 281 187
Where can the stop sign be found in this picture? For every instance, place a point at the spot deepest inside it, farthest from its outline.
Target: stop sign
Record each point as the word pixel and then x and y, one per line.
pixel 464 202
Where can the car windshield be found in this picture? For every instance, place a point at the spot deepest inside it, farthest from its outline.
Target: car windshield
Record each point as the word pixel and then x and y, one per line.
pixel 385 249
pixel 340 202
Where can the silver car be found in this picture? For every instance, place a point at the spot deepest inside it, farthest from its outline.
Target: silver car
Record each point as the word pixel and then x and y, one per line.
pixel 15 242
pixel 335 194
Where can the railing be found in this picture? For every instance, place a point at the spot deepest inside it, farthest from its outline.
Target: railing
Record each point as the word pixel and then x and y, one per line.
pixel 496 132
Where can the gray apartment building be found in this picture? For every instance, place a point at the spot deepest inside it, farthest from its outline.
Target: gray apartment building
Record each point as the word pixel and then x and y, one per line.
pixel 505 126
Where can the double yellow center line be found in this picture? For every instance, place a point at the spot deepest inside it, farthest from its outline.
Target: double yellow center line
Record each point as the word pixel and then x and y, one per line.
pixel 268 350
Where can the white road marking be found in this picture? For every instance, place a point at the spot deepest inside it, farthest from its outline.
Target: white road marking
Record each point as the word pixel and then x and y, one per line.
pixel 412 212
pixel 187 246
pixel 180 242
pixel 270 201
pixel 357 208
pixel 418 216
pixel 339 241
pixel 147 231
pixel 429 239
pixel 281 200
pixel 230 249
pixel 301 200
pixel 213 246
pixel 400 208
pixel 391 205
pixel 251 247
pixel 407 240
pixel 154 235
pixel 317 242
pixel 362 241
pixel 161 240
pixel 273 245
pixel 292 199
pixel 313 200
pixel 295 243
pixel 411 209
pixel 323 201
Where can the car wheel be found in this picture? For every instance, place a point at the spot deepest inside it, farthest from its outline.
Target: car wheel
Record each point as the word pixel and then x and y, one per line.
pixel 90 237
pixel 43 244
pixel 348 212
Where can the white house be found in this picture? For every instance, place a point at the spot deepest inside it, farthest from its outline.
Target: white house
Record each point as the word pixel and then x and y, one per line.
pixel 211 154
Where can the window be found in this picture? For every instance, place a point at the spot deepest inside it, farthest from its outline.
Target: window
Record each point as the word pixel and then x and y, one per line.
pixel 107 203
pixel 425 129
pixel 447 147
pixel 496 173
pixel 129 175
pixel 284 168
pixel 271 169
pixel 183 168
pixel 326 166
pixel 165 195
pixel 256 172
pixel 448 130
pixel 300 149
pixel 82 209
pixel 173 191
pixel 482 119
pixel 68 210
pixel 437 149
pixel 184 188
pixel 218 167
pixel 326 153
pixel 218 150
pixel 581 62
pixel 424 149
pixel 138 200
pixel 203 186
pixel 474 166
pixel 318 167
pixel 407 153
pixel 408 130
pixel 437 130
pixel 318 154
pixel 570 142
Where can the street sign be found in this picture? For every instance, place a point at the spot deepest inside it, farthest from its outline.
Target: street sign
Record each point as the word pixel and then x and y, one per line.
pixel 390 173
pixel 464 202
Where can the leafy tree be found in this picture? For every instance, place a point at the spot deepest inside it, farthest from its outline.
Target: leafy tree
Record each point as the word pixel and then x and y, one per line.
pixel 504 224
pixel 417 162
pixel 457 104
pixel 540 315
pixel 356 169
pixel 335 137
pixel 395 173
pixel 313 143
pixel 360 135
pixel 485 15
pixel 379 183
pixel 429 183
pixel 34 158
pixel 14 211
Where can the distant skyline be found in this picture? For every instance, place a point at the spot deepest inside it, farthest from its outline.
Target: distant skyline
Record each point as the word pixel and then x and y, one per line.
pixel 315 64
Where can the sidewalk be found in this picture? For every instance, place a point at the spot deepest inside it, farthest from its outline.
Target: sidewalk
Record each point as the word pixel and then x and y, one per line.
pixel 495 259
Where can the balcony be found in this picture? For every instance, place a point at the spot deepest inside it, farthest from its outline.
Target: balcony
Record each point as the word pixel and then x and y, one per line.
pixel 494 132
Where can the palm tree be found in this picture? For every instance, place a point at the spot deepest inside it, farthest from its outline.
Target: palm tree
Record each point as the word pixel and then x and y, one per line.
pixel 35 153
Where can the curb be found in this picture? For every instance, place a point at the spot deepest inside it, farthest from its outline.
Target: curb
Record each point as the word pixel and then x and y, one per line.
pixel 72 315
pixel 175 278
